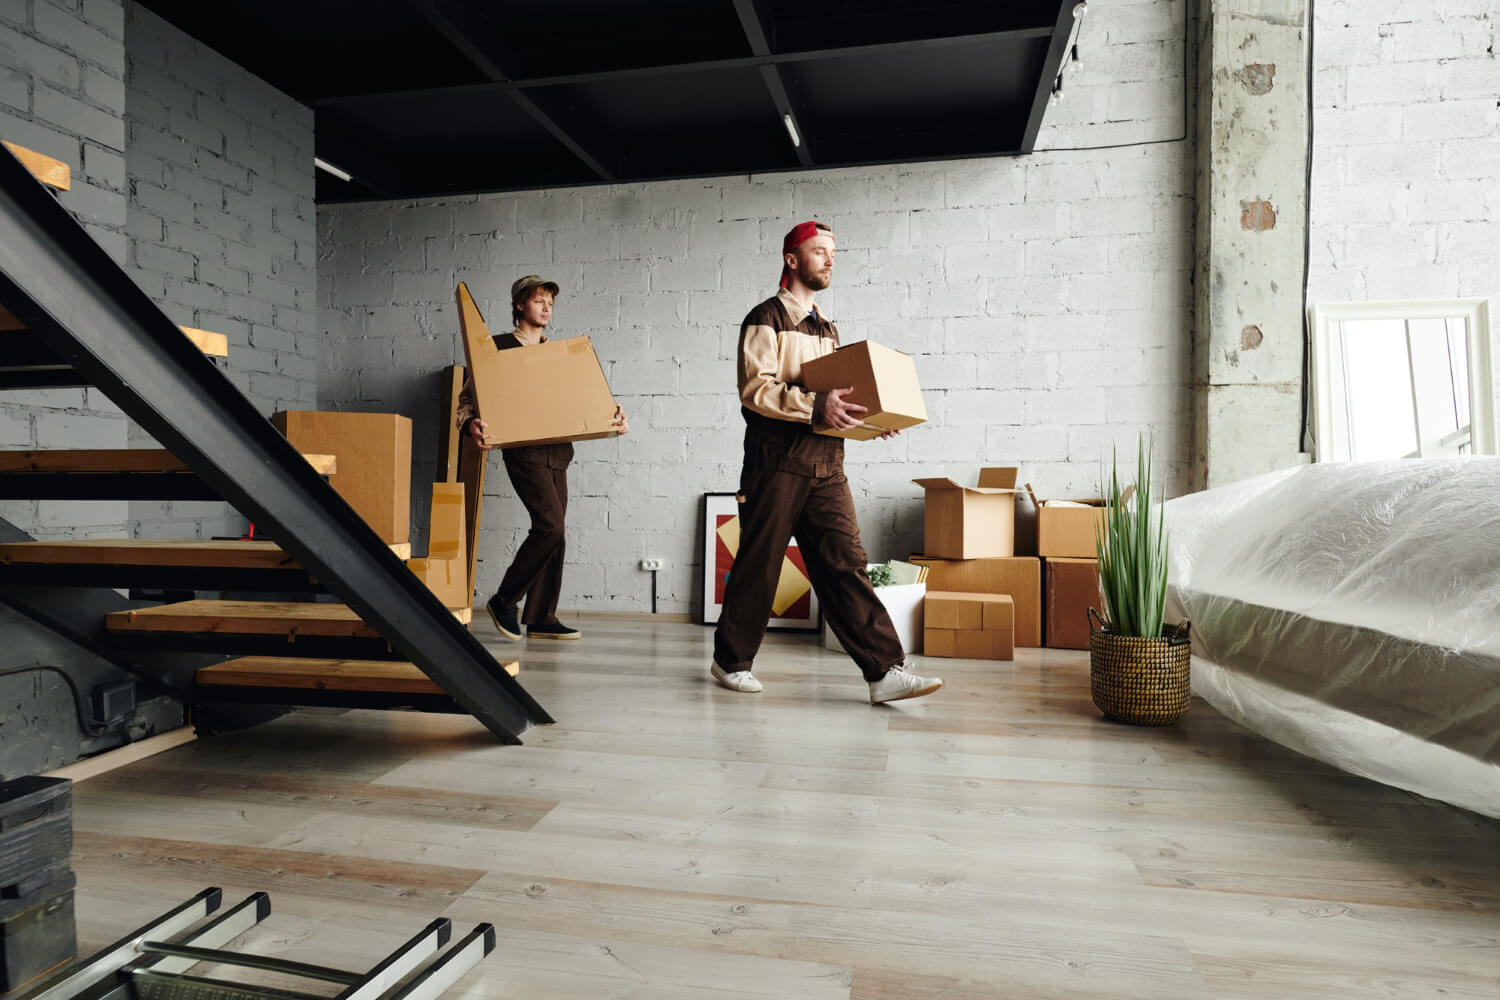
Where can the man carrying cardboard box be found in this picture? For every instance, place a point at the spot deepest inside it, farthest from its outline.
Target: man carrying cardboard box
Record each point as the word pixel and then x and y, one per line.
pixel 540 476
pixel 793 484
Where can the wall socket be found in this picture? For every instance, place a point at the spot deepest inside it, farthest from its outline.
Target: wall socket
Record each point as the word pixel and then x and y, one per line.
pixel 651 565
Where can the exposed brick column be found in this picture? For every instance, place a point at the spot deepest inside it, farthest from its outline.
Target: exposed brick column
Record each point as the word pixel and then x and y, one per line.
pixel 1251 225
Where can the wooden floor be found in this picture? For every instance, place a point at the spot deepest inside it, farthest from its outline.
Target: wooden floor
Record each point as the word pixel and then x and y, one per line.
pixel 670 840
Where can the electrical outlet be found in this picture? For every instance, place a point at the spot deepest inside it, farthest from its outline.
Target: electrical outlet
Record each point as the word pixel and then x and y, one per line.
pixel 651 565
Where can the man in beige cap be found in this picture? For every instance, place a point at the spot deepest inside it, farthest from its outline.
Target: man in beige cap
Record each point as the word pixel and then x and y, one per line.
pixel 540 475
pixel 793 484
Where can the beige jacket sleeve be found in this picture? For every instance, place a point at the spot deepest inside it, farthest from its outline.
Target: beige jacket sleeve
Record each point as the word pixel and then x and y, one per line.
pixel 465 410
pixel 768 374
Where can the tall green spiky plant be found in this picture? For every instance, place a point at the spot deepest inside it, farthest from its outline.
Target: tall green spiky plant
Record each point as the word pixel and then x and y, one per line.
pixel 1132 548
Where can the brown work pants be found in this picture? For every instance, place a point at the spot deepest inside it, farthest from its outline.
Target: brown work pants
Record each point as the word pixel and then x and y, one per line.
pixel 819 511
pixel 536 571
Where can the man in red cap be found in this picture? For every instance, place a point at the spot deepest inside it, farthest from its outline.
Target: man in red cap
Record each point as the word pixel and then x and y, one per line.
pixel 793 484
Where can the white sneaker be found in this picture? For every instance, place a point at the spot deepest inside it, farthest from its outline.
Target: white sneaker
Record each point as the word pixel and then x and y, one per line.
pixel 739 680
pixel 898 683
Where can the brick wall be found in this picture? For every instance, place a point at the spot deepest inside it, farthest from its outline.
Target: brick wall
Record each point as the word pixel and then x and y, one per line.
pixel 1046 299
pixel 1406 150
pixel 222 227
pixel 62 93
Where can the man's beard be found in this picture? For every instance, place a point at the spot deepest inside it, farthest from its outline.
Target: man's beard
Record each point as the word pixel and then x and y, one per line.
pixel 816 281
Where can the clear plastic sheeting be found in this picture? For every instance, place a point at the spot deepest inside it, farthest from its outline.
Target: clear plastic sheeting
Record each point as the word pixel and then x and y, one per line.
pixel 1352 613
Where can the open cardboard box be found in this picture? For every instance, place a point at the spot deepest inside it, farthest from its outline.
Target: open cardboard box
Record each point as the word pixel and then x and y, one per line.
pixel 970 522
pixel 543 394
pixel 884 382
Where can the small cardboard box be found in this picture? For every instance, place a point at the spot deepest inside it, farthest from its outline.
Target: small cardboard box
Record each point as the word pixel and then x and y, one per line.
pixel 374 462
pixel 445 533
pixel 884 381
pixel 974 626
pixel 903 602
pixel 1018 576
pixel 1072 588
pixel 544 394
pixel 970 522
pixel 447 578
pixel 1065 530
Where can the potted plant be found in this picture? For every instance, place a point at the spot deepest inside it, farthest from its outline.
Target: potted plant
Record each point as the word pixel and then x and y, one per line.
pixel 1138 669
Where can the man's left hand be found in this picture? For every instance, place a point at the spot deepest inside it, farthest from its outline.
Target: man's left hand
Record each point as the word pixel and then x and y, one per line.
pixel 620 423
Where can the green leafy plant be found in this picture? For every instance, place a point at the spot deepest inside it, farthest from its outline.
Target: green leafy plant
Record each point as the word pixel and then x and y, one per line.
pixel 1132 548
pixel 882 576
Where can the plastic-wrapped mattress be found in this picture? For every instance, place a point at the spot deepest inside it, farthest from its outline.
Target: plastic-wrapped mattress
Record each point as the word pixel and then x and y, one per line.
pixel 1352 613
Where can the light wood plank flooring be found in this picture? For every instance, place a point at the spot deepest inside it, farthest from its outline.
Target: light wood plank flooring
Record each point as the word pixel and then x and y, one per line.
pixel 671 840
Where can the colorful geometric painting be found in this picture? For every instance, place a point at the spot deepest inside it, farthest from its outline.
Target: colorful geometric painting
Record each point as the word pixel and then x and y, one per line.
pixel 794 606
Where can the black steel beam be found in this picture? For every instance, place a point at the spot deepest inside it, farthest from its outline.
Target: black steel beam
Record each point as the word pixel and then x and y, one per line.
pixel 885 49
pixel 755 32
pixel 1057 51
pixel 104 486
pixel 58 377
pixel 488 63
pixel 158 577
pixel 67 289
pixel 314 647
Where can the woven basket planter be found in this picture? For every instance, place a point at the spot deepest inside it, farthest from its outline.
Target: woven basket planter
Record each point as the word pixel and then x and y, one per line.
pixel 1144 682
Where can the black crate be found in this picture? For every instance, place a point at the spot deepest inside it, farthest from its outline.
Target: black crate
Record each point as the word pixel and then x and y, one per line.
pixel 58 880
pixel 34 885
pixel 26 800
pixel 32 848
pixel 37 940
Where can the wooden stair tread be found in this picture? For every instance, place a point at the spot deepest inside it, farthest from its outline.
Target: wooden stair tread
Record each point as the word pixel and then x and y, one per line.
pixel 387 676
pixel 99 460
pixel 215 345
pixel 50 171
pixel 251 618
pixel 233 554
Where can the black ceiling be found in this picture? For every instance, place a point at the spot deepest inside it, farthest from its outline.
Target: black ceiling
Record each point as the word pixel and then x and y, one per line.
pixel 444 96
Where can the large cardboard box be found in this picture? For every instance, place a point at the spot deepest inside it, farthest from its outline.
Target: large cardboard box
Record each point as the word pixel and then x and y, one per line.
pixel 1018 576
pixel 903 602
pixel 974 626
pixel 544 394
pixel 884 382
pixel 1072 588
pixel 970 522
pixel 447 578
pixel 374 462
pixel 1066 529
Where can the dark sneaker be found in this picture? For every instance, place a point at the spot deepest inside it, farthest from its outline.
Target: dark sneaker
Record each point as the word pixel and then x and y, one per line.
pixel 505 618
pixel 557 630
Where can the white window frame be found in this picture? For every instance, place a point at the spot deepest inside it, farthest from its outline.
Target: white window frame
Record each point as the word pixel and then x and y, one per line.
pixel 1475 313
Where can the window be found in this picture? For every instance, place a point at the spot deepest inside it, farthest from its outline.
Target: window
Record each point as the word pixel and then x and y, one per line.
pixel 1402 380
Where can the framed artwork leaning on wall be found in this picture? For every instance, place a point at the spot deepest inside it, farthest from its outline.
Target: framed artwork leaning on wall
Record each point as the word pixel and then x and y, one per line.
pixel 795 607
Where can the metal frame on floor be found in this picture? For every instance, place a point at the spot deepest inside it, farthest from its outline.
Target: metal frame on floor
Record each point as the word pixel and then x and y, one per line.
pixel 67 289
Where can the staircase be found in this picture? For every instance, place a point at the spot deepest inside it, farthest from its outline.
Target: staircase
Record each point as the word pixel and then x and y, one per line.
pixel 69 316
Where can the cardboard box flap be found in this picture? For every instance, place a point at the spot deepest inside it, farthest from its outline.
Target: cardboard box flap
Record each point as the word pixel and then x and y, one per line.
pixel 1003 477
pixel 948 484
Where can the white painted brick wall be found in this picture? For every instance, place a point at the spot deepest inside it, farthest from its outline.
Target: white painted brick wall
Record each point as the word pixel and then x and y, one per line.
pixel 1046 300
pixel 222 228
pixel 1406 153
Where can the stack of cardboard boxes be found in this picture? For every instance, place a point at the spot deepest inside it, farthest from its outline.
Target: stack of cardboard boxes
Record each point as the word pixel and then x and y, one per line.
pixel 976 556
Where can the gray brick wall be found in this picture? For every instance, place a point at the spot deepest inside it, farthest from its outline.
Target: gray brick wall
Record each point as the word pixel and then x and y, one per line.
pixel 221 225
pixel 1046 299
pixel 62 93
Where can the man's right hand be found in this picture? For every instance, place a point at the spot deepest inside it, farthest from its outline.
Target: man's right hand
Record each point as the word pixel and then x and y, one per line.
pixel 829 407
pixel 476 431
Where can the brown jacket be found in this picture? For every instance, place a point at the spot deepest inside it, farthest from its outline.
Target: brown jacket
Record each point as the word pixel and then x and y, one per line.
pixel 553 456
pixel 776 339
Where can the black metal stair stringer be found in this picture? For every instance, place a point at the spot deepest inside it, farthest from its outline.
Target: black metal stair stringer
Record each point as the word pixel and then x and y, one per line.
pixel 66 288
